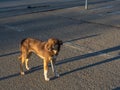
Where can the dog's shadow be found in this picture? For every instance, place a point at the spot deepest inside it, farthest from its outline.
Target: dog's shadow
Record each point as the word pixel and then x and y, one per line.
pixel 33 69
pixel 118 88
pixel 73 59
pixel 76 58
pixel 90 65
pixel 8 54
pixel 88 55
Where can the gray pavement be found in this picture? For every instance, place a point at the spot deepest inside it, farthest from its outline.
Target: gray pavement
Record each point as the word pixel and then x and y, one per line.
pixel 89 58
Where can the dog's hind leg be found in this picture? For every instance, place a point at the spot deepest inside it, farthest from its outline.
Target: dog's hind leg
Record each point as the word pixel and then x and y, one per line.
pixel 23 61
pixel 26 60
pixel 26 64
pixel 21 66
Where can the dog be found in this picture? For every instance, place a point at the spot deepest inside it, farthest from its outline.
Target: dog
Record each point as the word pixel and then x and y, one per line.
pixel 46 50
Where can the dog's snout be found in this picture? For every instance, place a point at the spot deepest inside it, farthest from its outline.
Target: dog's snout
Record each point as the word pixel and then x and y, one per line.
pixel 55 52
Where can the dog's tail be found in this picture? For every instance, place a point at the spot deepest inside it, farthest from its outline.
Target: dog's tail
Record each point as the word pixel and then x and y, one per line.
pixel 20 48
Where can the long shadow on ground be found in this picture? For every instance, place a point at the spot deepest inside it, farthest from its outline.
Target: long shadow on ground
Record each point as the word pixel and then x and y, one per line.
pixel 72 59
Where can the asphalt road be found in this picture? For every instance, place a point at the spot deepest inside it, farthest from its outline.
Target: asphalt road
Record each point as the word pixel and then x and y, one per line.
pixel 89 58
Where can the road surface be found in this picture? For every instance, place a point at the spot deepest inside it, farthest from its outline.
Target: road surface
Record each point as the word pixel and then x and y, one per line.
pixel 89 58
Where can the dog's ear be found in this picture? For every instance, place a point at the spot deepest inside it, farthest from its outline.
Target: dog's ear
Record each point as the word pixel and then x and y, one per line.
pixel 48 47
pixel 49 44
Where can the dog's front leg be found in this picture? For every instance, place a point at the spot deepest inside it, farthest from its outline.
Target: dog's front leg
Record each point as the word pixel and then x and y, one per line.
pixel 54 68
pixel 46 70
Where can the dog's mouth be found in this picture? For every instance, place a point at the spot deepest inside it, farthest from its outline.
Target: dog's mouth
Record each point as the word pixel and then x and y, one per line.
pixel 55 52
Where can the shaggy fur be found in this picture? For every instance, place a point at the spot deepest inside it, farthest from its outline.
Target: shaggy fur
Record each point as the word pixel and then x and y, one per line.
pixel 47 50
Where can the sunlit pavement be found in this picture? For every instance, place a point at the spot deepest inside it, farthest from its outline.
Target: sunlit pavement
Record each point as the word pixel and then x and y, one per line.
pixel 89 58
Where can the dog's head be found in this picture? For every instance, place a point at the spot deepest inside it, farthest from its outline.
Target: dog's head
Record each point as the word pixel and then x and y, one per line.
pixel 54 45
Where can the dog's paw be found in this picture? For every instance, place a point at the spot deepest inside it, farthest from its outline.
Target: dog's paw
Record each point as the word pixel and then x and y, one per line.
pixel 47 79
pixel 28 68
pixel 22 73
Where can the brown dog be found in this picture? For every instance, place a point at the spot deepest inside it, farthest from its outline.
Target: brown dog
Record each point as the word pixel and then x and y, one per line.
pixel 48 51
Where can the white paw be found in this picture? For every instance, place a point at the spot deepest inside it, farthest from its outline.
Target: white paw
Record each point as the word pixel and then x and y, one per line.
pixel 47 79
pixel 28 68
pixel 22 73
